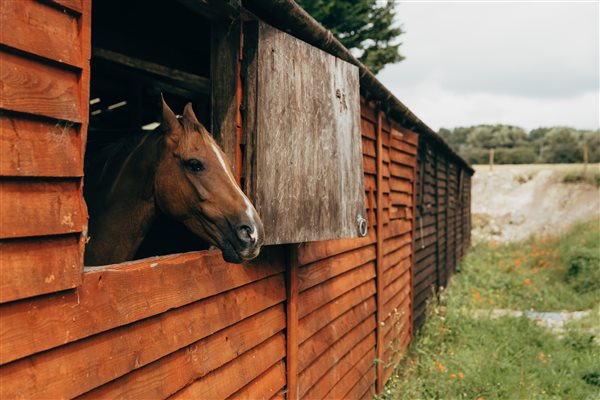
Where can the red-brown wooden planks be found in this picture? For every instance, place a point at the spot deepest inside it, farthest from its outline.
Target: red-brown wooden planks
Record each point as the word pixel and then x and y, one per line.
pixel 318 296
pixel 321 317
pixel 330 357
pixel 118 295
pixel 35 208
pixel 166 376
pixel 320 271
pixel 32 87
pixel 292 341
pixel 399 185
pixel 39 148
pixel 360 381
pixel 236 374
pixel 341 368
pixel 265 386
pixel 379 252
pixel 312 348
pixel 313 251
pixel 30 267
pixel 398 255
pixel 51 374
pixel 348 381
pixel 41 30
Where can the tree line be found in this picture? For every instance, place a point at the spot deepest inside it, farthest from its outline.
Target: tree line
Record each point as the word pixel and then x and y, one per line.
pixel 514 145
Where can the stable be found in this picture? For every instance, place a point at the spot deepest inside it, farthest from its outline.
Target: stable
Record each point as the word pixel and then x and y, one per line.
pixel 364 206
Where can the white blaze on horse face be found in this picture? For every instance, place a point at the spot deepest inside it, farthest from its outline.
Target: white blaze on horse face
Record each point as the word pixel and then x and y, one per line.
pixel 249 208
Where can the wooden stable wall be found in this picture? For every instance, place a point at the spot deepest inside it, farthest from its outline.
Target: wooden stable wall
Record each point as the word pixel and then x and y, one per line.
pixel 354 295
pixel 305 320
pixel 443 221
pixel 43 117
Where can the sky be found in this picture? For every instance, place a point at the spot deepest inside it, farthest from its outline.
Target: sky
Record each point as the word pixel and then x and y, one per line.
pixel 528 64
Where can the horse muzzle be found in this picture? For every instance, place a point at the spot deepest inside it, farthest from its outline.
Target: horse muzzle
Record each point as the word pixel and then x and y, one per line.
pixel 245 245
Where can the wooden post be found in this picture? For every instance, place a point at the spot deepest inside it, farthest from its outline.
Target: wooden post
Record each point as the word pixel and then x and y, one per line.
pixel 225 81
pixel 413 241
pixel 437 226
pixel 491 158
pixel 447 228
pixel 292 321
pixel 379 251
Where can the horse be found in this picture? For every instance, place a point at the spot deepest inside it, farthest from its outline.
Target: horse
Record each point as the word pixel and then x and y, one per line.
pixel 177 171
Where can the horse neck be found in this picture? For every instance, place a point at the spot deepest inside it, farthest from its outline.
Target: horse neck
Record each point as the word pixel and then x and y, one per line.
pixel 123 209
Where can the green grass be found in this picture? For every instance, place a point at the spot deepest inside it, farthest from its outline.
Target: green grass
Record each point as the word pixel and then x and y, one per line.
pixel 458 356
pixel 543 274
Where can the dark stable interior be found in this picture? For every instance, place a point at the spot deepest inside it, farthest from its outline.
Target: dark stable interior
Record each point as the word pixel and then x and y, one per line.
pixel 141 49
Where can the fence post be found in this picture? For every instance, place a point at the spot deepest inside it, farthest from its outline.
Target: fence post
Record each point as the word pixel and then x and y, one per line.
pixel 379 252
pixel 585 159
pixel 291 256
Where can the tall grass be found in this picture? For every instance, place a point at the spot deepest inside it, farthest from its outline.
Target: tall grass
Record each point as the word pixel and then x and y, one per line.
pixel 457 355
pixel 548 274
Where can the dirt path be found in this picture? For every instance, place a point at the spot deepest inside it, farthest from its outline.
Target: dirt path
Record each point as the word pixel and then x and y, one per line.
pixel 512 202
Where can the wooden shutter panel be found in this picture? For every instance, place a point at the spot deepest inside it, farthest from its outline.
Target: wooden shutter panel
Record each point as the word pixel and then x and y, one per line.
pixel 44 100
pixel 302 124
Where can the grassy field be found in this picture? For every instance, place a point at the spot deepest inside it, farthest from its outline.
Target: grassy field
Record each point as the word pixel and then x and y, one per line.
pixel 462 353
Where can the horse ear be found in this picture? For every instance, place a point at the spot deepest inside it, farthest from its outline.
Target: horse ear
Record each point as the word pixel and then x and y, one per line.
pixel 169 122
pixel 190 122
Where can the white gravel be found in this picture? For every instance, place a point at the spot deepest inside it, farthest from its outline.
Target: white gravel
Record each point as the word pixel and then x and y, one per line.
pixel 513 202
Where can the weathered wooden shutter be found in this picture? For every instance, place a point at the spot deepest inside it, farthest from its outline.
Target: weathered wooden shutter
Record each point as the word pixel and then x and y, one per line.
pixel 44 69
pixel 302 122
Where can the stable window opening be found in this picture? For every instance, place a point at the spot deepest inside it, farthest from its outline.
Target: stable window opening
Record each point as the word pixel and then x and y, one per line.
pixel 139 52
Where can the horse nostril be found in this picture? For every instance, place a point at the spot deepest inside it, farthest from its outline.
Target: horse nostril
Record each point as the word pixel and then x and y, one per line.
pixel 246 234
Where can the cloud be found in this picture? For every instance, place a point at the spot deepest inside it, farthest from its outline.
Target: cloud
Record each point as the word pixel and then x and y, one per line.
pixel 522 63
pixel 440 108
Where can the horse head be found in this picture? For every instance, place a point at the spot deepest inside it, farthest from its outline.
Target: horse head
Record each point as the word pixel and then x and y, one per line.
pixel 195 185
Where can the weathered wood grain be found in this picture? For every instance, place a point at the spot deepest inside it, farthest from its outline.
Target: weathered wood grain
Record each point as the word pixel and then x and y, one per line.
pixel 39 148
pixel 118 295
pixel 30 267
pixel 225 48
pixel 41 30
pixel 32 87
pixel 307 149
pixel 36 208
pixel 171 373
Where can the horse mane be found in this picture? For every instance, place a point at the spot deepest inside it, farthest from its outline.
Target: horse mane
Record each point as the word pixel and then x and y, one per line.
pixel 104 155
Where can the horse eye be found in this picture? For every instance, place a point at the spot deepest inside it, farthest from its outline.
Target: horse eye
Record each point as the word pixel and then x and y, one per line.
pixel 193 165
